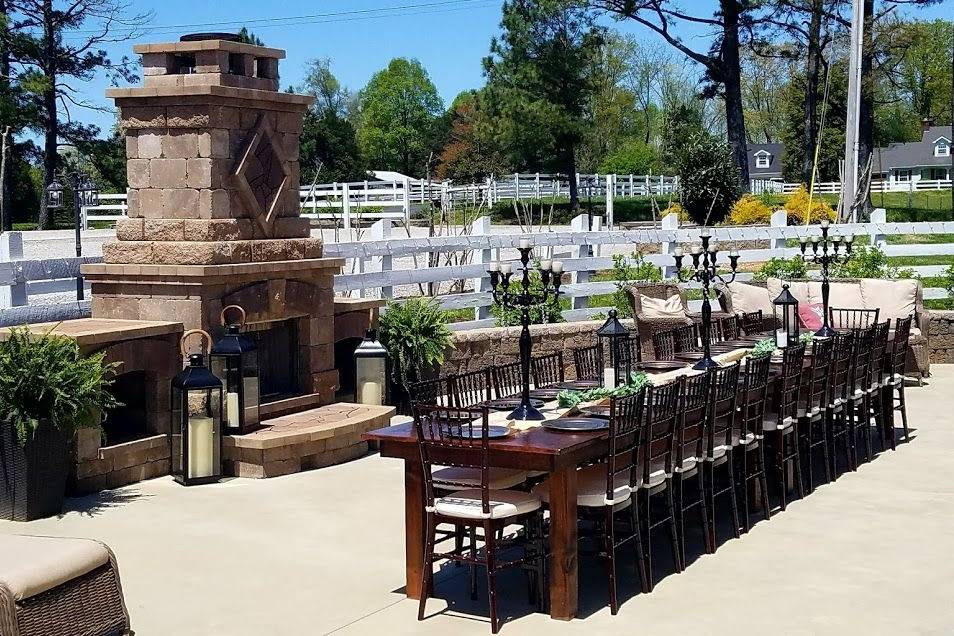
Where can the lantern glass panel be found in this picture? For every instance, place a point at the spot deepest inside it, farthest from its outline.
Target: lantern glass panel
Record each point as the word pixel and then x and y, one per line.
pixel 250 388
pixel 371 377
pixel 196 436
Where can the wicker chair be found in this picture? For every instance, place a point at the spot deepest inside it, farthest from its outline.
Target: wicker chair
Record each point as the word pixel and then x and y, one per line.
pixel 648 327
pixel 52 585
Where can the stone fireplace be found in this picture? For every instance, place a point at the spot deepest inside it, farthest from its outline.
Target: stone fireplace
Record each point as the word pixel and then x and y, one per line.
pixel 214 215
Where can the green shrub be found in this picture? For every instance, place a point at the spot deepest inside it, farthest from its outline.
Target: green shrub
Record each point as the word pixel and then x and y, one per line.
pixel 708 178
pixel 870 262
pixel 45 377
pixel 784 268
pixel 549 312
pixel 416 335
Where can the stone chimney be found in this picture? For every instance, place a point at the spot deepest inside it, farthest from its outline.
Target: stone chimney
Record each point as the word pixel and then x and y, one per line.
pixel 214 213
pixel 927 123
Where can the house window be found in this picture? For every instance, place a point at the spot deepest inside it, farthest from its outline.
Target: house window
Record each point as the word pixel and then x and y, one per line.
pixel 938 174
pixel 763 160
pixel 942 148
pixel 904 175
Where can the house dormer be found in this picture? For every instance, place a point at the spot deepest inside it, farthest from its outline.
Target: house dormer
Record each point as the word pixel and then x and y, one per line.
pixel 942 147
pixel 763 159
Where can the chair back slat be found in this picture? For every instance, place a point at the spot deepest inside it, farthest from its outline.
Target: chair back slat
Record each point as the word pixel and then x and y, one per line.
pixel 658 432
pixel 664 344
pixel 693 414
pixel 453 437
pixel 879 350
pixel 816 392
pixel 588 362
pixel 752 322
pixel 852 318
pixel 471 388
pixel 729 328
pixel 723 395
pixel 548 370
pixel 436 391
pixel 790 386
pixel 507 379
pixel 841 365
pixel 755 396
pixel 625 416
pixel 861 360
pixel 687 338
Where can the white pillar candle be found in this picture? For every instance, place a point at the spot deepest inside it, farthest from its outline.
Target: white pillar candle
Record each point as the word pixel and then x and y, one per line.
pixel 609 378
pixel 557 267
pixel 546 265
pixel 200 446
pixel 781 338
pixel 232 409
pixel 506 268
pixel 524 244
pixel 369 393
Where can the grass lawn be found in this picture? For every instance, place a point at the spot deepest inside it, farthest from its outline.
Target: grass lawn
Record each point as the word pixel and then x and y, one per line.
pixel 911 261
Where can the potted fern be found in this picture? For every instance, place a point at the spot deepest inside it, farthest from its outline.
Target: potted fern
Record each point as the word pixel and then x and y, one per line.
pixel 48 389
pixel 416 335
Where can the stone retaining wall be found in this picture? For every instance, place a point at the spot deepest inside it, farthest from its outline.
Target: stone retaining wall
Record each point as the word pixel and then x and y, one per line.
pixel 942 336
pixel 99 467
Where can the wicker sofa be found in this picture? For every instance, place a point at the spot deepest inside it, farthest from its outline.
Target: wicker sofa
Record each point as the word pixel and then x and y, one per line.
pixel 61 586
pixel 887 295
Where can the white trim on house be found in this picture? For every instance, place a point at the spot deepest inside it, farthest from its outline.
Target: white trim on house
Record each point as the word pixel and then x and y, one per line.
pixel 763 159
pixel 942 147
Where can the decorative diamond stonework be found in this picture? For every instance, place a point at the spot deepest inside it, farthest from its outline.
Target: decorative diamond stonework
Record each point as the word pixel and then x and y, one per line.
pixel 262 175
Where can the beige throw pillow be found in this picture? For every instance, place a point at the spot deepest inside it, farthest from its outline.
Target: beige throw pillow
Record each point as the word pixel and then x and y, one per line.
pixel 662 308
pixel 750 298
pixel 895 298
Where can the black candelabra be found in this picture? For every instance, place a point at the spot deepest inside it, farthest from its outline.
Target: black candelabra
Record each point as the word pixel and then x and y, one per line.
pixel 525 300
pixel 826 251
pixel 705 271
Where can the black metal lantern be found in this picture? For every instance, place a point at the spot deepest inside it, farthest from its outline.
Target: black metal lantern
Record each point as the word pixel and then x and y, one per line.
pixel 786 319
pixel 370 371
pixel 195 438
pixel 613 337
pixel 234 358
pixel 54 195
pixel 89 195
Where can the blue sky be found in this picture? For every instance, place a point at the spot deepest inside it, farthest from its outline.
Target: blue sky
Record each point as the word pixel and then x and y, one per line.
pixel 450 40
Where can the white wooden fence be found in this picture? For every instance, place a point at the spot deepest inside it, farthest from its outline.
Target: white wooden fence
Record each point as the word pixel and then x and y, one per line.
pixel 763 186
pixel 389 266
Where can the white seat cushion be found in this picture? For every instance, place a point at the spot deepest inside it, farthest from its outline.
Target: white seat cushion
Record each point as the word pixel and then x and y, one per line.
pixel 815 412
pixel 497 478
pixel 657 476
pixel 466 504
pixel 772 423
pixel 32 565
pixel 591 488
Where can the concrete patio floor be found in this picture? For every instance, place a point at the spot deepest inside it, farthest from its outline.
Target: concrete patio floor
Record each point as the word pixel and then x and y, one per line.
pixel 322 552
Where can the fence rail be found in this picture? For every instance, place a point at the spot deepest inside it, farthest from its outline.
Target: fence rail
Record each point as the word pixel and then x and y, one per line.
pixel 386 266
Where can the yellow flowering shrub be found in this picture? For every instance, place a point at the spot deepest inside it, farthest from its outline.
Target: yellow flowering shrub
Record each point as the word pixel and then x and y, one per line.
pixel 796 207
pixel 676 208
pixel 750 210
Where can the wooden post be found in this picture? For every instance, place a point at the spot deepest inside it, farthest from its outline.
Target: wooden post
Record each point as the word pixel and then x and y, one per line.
pixel 11 249
pixel 610 192
pixel 406 203
pixel 878 215
pixel 778 219
pixel 481 227
pixel 582 249
pixel 516 186
pixel 669 222
pixel 346 208
pixel 381 231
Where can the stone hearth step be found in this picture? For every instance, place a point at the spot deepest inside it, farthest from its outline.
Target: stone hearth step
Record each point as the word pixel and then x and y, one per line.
pixel 302 441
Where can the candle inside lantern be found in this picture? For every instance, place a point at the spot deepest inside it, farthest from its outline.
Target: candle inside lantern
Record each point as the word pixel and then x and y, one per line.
pixel 609 378
pixel 524 244
pixel 557 267
pixel 370 393
pixel 200 446
pixel 232 409
pixel 781 338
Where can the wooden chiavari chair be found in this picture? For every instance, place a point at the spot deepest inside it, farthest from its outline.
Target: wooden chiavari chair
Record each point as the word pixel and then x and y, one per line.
pixel 813 406
pixel 588 362
pixel 752 410
pixel 893 385
pixel 782 425
pixel 850 318
pixel 687 338
pixel 664 345
pixel 729 328
pixel 879 354
pixel 471 389
pixel 859 397
pixel 752 322
pixel 458 438
pixel 690 453
pixel 436 392
pixel 723 397
pixel 507 379
pixel 837 416
pixel 657 437
pixel 548 370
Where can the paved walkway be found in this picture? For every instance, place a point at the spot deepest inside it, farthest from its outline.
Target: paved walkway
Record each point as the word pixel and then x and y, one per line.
pixel 321 552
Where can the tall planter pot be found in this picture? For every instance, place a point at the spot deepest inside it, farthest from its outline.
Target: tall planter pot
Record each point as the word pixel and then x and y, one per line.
pixel 33 478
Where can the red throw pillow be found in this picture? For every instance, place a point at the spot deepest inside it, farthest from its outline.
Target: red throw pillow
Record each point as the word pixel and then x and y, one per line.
pixel 810 315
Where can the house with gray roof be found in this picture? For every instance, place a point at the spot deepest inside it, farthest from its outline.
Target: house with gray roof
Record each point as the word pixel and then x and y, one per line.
pixel 904 164
pixel 765 161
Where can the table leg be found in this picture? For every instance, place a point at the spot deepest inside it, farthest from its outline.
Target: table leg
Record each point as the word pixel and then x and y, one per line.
pixel 414 527
pixel 563 548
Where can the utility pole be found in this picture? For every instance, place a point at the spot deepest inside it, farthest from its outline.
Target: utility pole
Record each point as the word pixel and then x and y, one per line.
pixel 950 173
pixel 4 202
pixel 849 179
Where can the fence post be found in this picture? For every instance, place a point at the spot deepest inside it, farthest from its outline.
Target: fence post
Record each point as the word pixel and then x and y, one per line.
pixel 406 202
pixel 536 186
pixel 516 186
pixel 11 249
pixel 610 192
pixel 669 222
pixel 481 227
pixel 381 231
pixel 346 207
pixel 778 219
pixel 878 216
pixel 581 249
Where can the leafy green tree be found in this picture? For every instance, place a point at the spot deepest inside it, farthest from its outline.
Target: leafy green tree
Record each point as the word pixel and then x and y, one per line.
pixel 247 37
pixel 470 154
pixel 539 85
pixel 708 179
pixel 632 156
pixel 399 124
pixel 832 137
